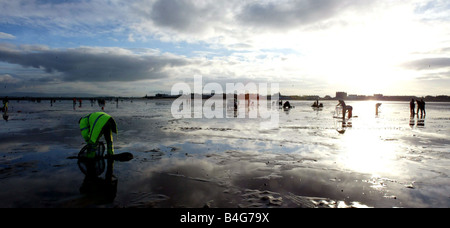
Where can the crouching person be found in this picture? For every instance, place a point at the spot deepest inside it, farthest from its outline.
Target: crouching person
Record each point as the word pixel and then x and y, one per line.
pixel 93 126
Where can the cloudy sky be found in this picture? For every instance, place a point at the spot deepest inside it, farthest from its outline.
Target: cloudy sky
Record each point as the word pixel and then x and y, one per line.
pixel 138 47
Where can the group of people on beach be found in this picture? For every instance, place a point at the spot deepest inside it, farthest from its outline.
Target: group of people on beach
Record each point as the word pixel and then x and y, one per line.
pixel 101 102
pixel 420 107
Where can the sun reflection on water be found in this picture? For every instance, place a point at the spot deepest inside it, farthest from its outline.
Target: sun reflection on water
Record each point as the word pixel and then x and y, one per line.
pixel 366 150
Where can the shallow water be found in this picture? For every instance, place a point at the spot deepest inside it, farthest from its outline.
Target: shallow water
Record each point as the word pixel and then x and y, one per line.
pixel 387 160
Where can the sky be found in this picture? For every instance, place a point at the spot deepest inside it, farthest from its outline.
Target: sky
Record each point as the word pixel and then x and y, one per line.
pixel 308 47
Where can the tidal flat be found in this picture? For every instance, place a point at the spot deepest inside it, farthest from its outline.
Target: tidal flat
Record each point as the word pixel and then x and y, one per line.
pixel 384 160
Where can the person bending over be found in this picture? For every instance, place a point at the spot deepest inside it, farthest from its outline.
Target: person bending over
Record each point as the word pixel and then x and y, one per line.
pixel 93 126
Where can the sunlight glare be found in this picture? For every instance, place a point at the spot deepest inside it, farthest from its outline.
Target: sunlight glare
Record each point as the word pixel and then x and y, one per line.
pixel 366 152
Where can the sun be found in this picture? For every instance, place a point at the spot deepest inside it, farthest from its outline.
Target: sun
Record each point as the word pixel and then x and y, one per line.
pixel 366 57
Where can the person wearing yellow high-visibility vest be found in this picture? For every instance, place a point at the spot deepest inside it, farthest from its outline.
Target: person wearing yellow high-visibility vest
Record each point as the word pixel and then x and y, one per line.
pixel 93 126
pixel 5 104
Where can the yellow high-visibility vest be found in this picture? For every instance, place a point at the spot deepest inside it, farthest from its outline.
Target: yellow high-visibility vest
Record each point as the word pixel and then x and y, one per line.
pixel 91 126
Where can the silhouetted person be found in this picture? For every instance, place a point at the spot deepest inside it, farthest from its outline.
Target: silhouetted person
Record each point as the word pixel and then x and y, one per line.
pixel 412 107
pixel 102 103
pixel 421 108
pixel 418 107
pixel 287 105
pixel 377 106
pixel 422 111
pixel 95 188
pixel 345 108
pixel 5 104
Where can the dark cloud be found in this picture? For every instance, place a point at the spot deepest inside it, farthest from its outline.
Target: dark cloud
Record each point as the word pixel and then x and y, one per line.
pixel 158 18
pixel 184 16
pixel 177 14
pixel 274 15
pixel 93 64
pixel 428 64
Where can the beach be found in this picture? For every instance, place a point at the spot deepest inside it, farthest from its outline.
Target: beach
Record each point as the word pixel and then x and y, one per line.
pixel 384 160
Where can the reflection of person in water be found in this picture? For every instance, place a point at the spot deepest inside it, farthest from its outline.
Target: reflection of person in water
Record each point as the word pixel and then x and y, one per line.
pixel 420 122
pixel 101 190
pixel 93 126
pixel 96 189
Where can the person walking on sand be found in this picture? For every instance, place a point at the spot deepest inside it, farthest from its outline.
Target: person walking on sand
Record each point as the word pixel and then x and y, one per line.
pixel 93 126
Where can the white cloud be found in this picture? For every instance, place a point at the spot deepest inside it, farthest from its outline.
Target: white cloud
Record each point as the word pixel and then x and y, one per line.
pixel 131 38
pixel 68 18
pixel 6 78
pixel 315 43
pixel 6 36
pixel 225 23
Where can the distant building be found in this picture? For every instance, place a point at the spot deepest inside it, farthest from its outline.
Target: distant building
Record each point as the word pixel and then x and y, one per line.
pixel 353 96
pixel 159 95
pixel 341 95
pixel 378 96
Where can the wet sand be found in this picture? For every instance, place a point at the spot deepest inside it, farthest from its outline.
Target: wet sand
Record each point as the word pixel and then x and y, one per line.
pixel 387 160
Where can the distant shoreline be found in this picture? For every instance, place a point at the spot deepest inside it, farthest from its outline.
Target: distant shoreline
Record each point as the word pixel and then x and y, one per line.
pixel 443 98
